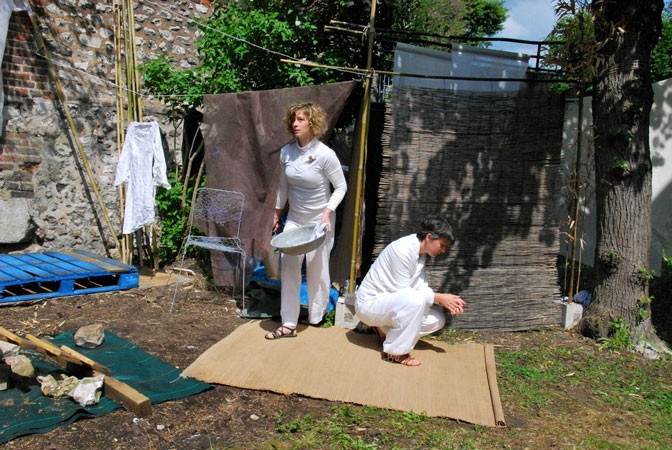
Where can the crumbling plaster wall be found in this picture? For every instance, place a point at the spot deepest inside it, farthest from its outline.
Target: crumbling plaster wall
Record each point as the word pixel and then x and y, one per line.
pixel 47 199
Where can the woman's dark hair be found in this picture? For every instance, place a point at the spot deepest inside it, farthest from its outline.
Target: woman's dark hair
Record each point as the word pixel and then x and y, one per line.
pixel 437 227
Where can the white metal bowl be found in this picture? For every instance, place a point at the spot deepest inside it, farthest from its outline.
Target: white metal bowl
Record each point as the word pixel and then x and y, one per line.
pixel 298 241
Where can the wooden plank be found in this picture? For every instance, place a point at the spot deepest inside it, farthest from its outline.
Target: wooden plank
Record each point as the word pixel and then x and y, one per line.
pixel 106 264
pixel 20 262
pixel 10 337
pixel 125 395
pixel 85 360
pixel 48 347
pixel 63 267
pixel 16 273
pixel 86 264
pixel 65 355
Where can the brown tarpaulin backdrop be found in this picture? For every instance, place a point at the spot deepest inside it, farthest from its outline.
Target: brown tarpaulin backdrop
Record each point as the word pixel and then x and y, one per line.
pixel 243 134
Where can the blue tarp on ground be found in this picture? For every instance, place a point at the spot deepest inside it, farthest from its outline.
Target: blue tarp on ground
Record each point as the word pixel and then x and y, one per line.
pixel 272 288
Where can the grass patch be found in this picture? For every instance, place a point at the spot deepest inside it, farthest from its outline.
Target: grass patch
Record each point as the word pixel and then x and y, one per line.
pixel 557 389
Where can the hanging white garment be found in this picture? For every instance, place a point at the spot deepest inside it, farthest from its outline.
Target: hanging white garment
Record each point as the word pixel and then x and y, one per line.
pixel 142 167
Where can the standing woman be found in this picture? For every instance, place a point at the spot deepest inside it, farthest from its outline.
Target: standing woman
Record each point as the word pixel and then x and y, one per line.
pixel 309 169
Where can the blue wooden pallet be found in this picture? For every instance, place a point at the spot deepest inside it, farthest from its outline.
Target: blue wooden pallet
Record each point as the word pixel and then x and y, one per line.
pixel 36 276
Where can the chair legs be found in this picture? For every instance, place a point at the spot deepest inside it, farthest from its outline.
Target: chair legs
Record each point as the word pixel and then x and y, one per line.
pixel 242 258
pixel 243 262
pixel 177 280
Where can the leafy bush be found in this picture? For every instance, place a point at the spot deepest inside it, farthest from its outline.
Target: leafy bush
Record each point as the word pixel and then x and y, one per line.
pixel 173 219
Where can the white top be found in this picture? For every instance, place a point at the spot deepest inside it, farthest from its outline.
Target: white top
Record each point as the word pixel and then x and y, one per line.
pixel 306 176
pixel 142 167
pixel 399 266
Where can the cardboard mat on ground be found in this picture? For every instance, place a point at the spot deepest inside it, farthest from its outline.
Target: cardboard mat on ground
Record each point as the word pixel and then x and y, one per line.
pixel 456 381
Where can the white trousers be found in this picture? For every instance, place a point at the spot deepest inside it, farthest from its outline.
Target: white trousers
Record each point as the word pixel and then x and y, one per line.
pixel 318 281
pixel 403 316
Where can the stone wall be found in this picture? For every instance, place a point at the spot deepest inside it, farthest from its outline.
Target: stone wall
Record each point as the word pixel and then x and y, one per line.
pixel 49 201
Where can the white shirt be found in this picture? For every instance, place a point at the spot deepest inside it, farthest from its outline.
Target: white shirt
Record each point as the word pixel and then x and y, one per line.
pixel 142 167
pixel 399 266
pixel 306 176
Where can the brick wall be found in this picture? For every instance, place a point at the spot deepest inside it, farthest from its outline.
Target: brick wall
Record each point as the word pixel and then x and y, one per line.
pixel 25 77
pixel 43 184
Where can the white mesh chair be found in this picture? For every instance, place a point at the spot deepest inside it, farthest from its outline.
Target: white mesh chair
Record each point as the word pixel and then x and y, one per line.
pixel 218 214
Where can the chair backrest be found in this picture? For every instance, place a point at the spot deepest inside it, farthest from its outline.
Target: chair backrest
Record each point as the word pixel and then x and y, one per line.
pixel 218 207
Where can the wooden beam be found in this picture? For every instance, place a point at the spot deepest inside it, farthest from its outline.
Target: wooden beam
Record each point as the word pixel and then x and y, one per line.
pixel 125 395
pixel 84 360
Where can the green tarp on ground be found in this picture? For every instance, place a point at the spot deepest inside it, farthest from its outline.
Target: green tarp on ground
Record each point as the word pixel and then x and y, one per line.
pixel 24 410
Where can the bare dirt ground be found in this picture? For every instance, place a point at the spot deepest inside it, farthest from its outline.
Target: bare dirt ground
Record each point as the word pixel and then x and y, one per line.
pixel 222 417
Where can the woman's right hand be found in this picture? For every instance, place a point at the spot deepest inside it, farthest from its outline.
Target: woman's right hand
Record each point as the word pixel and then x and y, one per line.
pixel 276 220
pixel 453 303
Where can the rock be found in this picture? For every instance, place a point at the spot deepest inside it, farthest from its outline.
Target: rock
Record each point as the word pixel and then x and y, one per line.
pixel 90 336
pixel 5 372
pixel 21 366
pixel 88 390
pixel 51 387
pixel 7 349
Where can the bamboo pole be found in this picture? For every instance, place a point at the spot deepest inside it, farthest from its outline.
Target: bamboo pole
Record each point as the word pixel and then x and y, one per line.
pixel 118 24
pixel 71 123
pixel 364 131
pixel 577 202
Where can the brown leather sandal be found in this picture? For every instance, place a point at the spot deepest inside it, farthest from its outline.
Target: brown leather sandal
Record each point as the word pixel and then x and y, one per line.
pixel 281 332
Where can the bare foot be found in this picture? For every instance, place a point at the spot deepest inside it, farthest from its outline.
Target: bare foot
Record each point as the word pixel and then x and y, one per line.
pixel 404 360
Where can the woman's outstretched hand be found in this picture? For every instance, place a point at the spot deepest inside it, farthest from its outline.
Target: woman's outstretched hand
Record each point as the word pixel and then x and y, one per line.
pixel 453 303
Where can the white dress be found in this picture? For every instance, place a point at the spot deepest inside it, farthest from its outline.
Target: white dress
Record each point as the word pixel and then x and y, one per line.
pixel 142 167
pixel 395 297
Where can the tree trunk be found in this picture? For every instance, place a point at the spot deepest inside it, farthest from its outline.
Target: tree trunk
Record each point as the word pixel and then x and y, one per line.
pixel 628 30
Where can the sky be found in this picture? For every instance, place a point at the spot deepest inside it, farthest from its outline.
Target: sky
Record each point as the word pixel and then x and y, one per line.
pixel 528 19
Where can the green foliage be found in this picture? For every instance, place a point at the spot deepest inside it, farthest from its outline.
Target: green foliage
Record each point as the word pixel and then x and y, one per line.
pixel 661 56
pixel 467 18
pixel 619 337
pixel 173 217
pixel 644 307
pixel 644 275
pixel 241 47
pixel 329 319
pixel 485 17
pixel 232 46
pixel 444 17
pixel 293 426
pixel 577 53
pixel 621 164
pixel 180 90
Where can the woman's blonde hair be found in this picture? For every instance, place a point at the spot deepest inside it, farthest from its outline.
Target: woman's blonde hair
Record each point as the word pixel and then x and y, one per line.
pixel 316 116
